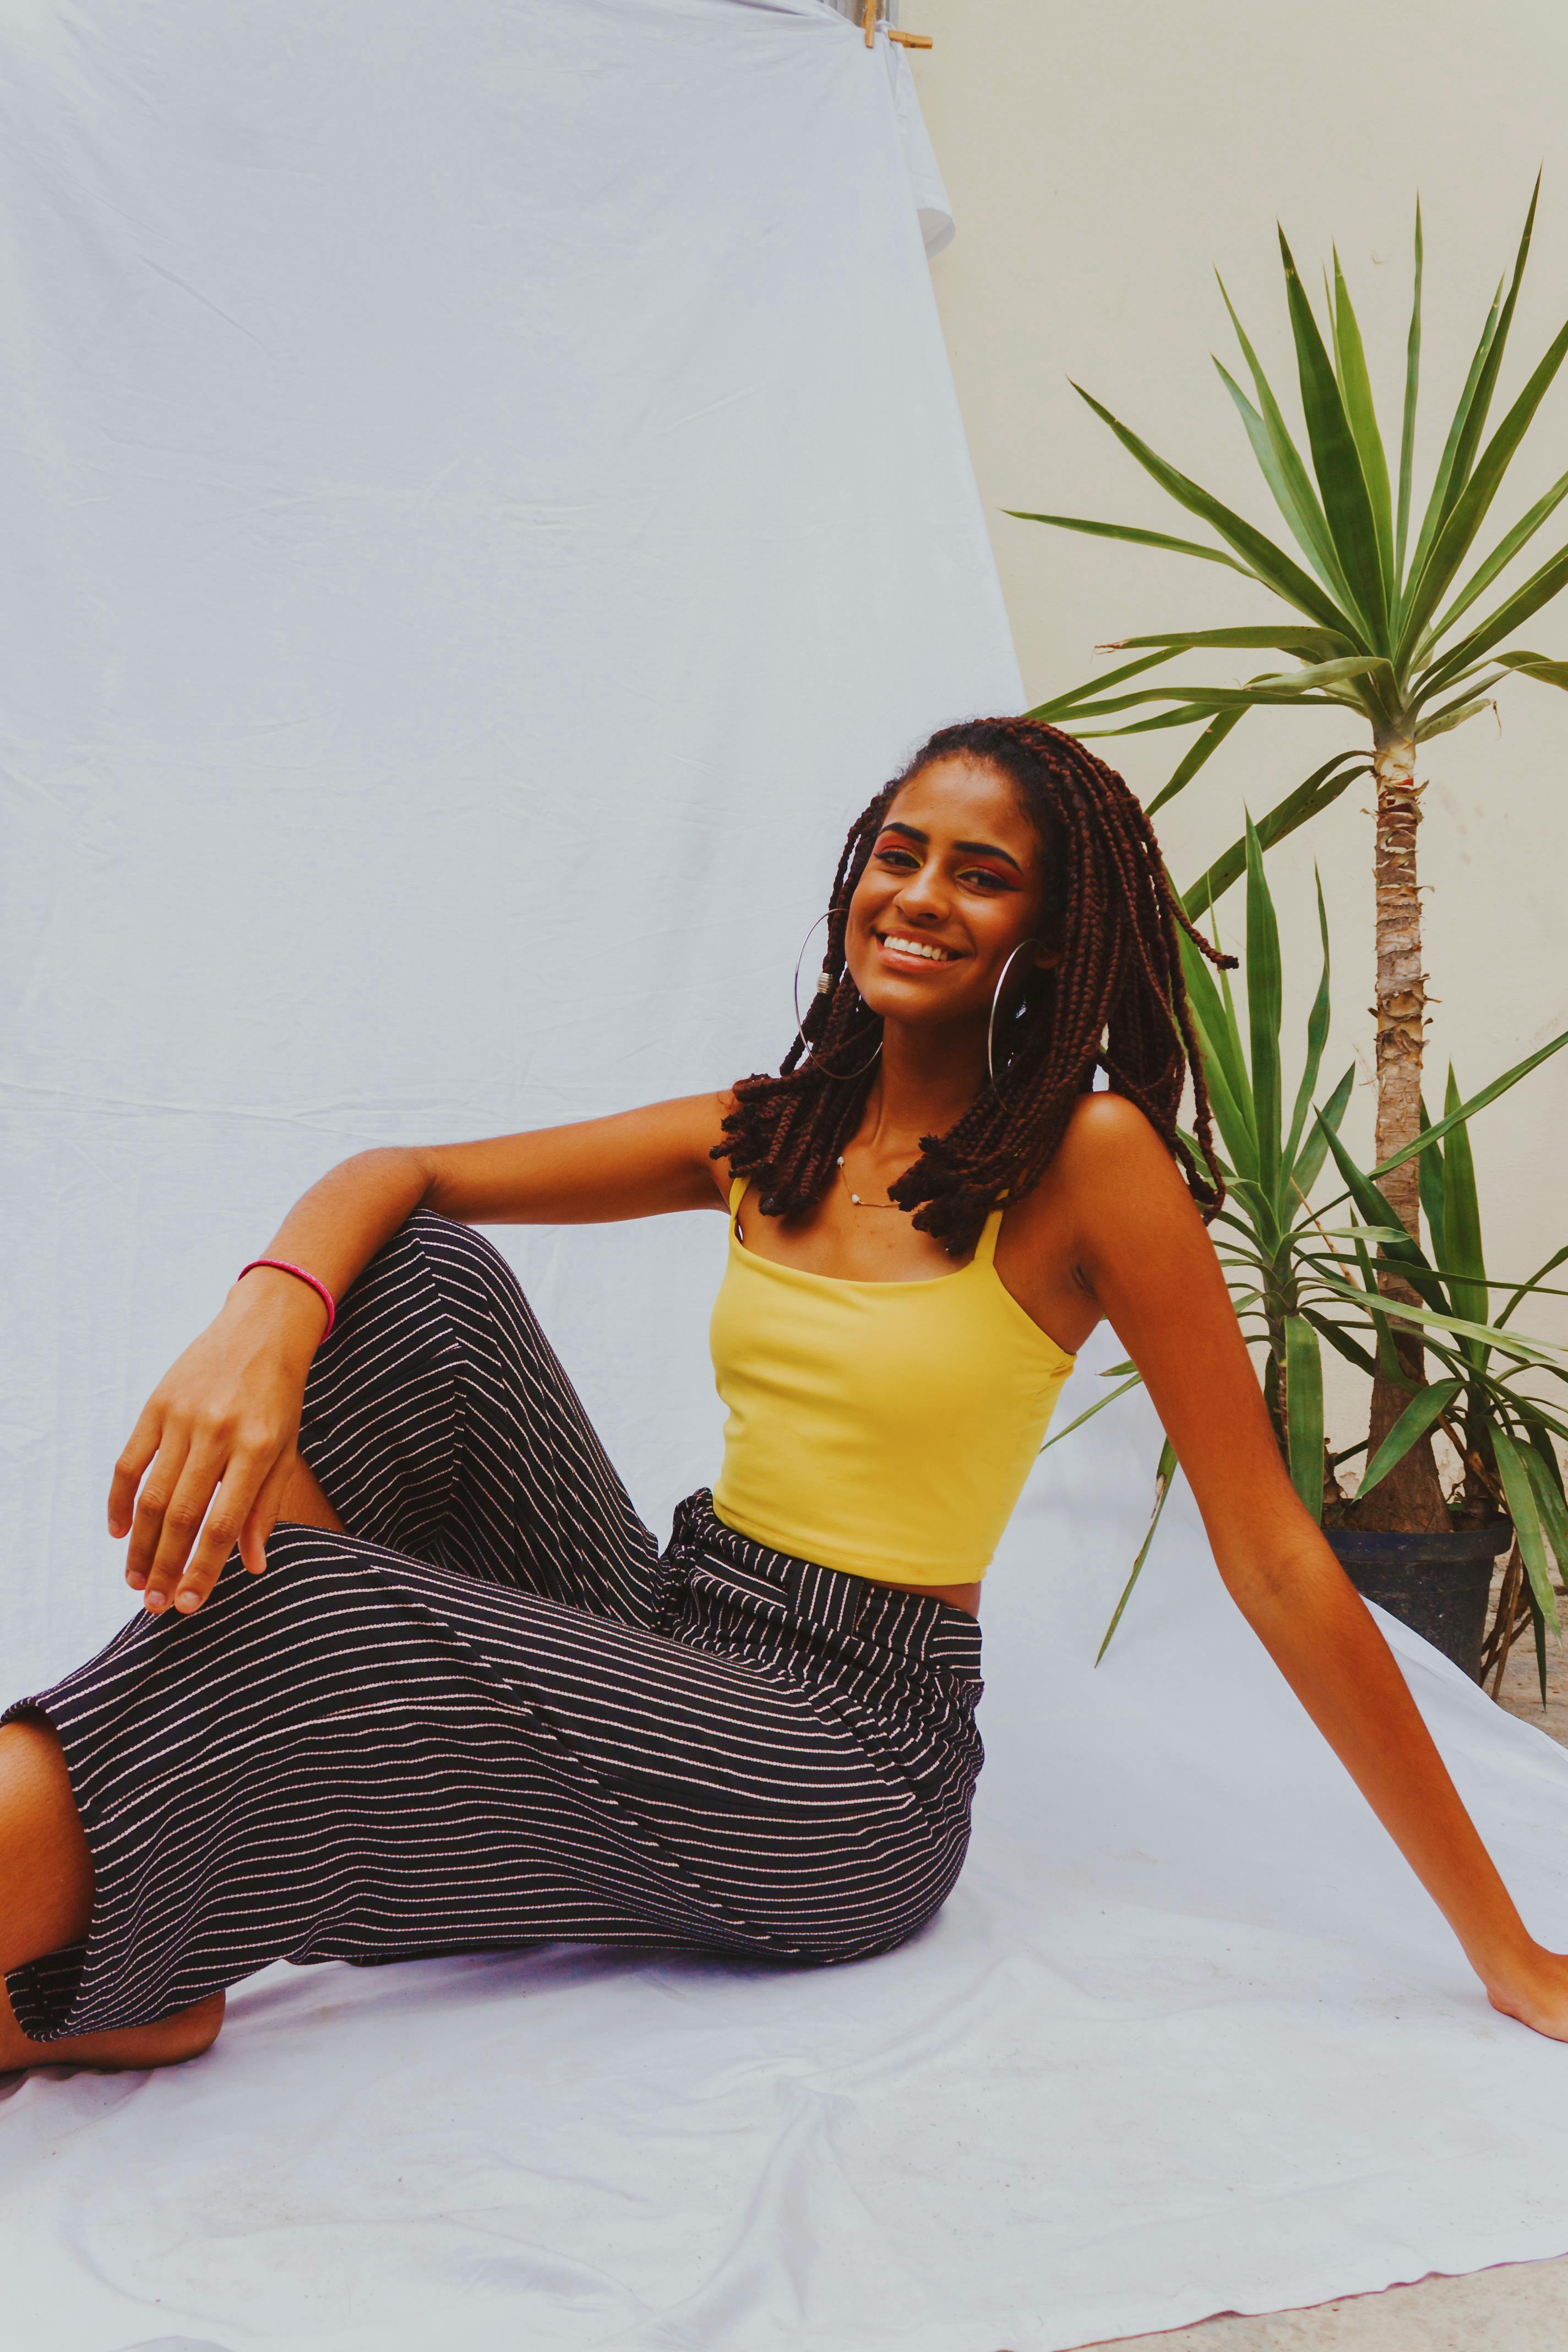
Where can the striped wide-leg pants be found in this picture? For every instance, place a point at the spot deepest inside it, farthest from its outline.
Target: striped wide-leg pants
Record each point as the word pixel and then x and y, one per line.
pixel 492 1713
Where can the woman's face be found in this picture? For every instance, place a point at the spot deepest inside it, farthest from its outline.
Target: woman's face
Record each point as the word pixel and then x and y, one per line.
pixel 956 884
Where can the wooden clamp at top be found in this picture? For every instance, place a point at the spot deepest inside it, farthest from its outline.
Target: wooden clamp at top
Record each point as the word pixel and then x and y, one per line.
pixel 904 40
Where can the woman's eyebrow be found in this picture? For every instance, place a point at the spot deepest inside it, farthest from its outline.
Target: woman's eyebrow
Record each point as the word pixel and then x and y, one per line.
pixel 972 848
pixel 988 849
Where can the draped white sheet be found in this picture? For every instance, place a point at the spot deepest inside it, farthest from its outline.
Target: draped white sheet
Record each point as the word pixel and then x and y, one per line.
pixel 484 503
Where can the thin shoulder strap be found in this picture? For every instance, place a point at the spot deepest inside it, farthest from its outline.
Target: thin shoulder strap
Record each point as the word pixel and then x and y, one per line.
pixel 737 1187
pixel 985 1247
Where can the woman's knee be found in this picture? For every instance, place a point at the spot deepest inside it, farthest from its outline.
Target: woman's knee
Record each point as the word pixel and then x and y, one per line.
pixel 46 1867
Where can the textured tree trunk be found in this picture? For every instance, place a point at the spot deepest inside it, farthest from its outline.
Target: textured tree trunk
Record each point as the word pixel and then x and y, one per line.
pixel 1410 1499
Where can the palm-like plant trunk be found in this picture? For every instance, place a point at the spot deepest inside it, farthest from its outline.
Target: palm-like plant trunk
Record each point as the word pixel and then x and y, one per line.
pixel 1410 1499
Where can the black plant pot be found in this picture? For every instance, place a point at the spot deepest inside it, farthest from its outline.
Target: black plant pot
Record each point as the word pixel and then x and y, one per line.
pixel 1438 1585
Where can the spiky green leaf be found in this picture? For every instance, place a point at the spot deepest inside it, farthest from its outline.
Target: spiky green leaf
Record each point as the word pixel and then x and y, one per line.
pixel 1470 508
pixel 1282 469
pixel 1471 416
pixel 1304 1412
pixel 1312 645
pixel 1546 1479
pixel 1225 1063
pixel 1462 1251
pixel 1524 1511
pixel 1321 788
pixel 1265 987
pixel 1536 666
pixel 1412 389
pixel 1452 715
pixel 1317 1037
pixel 1501 556
pixel 1135 1382
pixel 1414 1422
pixel 1336 461
pixel 1136 538
pixel 1477 1102
pixel 1058 705
pixel 1196 757
pixel 1361 414
pixel 1526 601
pixel 1267 563
pixel 1164 1473
pixel 1314 1150
pixel 1430 1173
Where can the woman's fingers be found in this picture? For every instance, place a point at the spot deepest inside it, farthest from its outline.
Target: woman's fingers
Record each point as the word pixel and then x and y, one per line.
pixel 218 1536
pixel 244 1474
pixel 153 1502
pixel 140 1448
pixel 182 1513
pixel 262 1516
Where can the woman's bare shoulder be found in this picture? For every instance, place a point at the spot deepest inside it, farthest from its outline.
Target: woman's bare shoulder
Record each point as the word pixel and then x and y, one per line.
pixel 1108 1137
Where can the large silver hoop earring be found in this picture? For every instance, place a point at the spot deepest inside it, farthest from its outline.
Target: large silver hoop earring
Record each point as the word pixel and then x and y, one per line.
pixel 823 983
pixel 824 988
pixel 858 1073
pixel 991 1024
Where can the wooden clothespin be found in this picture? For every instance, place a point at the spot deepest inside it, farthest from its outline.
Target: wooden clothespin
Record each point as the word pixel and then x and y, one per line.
pixel 904 40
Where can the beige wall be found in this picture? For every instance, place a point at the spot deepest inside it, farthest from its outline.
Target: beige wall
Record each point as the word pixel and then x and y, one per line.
pixel 1103 162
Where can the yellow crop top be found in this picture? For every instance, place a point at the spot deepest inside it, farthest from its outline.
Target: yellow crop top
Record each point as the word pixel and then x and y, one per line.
pixel 882 1427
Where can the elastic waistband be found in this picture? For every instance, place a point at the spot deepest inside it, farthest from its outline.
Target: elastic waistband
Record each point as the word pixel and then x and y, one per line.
pixel 915 1624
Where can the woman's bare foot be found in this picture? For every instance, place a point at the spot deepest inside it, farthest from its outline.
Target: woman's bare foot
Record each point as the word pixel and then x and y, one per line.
pixel 167 2044
pixel 46 1904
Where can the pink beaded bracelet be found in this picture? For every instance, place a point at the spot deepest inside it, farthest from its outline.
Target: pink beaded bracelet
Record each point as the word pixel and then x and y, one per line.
pixel 282 1265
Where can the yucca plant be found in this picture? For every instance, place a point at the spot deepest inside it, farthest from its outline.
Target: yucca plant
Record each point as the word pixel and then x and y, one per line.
pixel 1381 627
pixel 1299 1282
pixel 1484 1389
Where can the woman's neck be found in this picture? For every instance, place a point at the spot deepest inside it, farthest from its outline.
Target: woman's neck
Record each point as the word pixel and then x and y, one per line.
pixel 925 1082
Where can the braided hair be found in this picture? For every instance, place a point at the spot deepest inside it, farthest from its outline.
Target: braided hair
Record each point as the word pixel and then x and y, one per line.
pixel 1114 1000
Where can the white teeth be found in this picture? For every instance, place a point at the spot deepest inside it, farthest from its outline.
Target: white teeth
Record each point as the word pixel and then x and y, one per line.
pixel 920 948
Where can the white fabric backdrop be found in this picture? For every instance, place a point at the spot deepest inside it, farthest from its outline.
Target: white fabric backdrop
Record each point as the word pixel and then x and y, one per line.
pixel 484 504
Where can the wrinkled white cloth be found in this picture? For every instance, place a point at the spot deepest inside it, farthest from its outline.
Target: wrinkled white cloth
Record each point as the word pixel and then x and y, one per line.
pixel 484 505
pixel 1187 2037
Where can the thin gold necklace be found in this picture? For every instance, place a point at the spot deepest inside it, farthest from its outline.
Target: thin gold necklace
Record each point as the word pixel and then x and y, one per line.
pixel 859 1204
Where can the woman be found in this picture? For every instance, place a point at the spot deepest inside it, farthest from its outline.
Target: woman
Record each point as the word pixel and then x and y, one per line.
pixel 468 1705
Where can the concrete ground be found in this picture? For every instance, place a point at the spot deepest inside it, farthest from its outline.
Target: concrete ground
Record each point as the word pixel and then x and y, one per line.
pixel 1522 2307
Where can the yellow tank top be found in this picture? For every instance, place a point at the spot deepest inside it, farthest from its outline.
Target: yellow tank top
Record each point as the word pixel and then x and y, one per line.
pixel 882 1427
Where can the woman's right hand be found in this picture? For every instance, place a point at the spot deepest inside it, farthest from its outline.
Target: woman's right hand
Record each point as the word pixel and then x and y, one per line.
pixel 215 1445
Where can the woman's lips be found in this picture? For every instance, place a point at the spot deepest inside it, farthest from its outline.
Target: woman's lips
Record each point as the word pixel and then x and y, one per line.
pixel 901 951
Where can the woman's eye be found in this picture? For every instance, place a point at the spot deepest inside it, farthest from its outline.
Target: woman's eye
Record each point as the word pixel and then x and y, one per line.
pixel 900 858
pixel 983 877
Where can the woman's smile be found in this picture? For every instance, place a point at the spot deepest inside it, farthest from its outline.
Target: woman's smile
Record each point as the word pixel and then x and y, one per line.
pixel 901 951
pixel 952 890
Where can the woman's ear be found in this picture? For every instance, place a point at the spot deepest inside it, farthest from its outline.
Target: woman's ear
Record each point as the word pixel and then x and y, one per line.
pixel 1046 955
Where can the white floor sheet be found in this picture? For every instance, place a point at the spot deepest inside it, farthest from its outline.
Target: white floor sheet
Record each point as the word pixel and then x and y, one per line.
pixel 484 505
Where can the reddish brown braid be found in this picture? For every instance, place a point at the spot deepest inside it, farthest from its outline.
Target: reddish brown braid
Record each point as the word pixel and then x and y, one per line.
pixel 1115 999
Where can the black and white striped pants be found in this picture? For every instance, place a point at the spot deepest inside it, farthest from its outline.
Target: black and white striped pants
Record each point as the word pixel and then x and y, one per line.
pixel 491 1713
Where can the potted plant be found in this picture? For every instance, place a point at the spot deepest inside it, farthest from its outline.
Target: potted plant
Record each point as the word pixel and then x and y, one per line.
pixel 1299 1281
pixel 1380 625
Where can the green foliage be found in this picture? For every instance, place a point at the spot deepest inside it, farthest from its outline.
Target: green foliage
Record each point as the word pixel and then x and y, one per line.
pixel 1381 641
pixel 1299 1282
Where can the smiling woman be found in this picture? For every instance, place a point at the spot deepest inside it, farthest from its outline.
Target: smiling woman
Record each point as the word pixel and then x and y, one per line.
pixel 1004 893
pixel 763 1739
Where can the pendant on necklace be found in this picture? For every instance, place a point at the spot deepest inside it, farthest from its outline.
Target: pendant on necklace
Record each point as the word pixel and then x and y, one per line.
pixel 855 1197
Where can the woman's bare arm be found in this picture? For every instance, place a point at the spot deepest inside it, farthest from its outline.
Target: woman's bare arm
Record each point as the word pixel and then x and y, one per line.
pixel 1143 1251
pixel 206 1463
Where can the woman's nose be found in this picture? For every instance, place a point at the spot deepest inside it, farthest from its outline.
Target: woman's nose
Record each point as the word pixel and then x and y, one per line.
pixel 923 898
